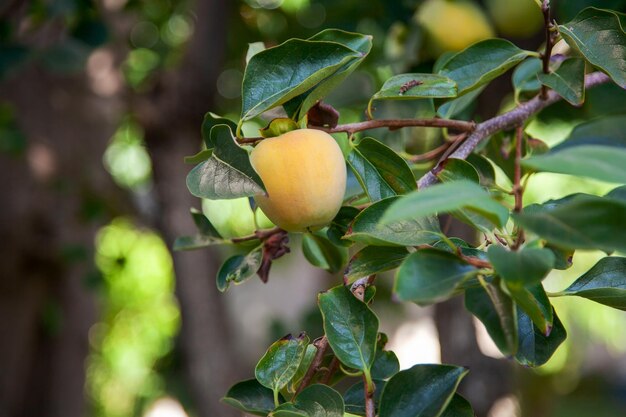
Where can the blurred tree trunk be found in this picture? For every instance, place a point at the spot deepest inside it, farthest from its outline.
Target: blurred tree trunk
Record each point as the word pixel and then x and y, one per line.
pixel 172 117
pixel 52 196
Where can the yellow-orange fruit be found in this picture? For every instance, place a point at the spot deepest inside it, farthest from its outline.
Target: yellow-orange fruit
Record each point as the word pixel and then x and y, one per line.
pixel 518 18
pixel 304 173
pixel 453 25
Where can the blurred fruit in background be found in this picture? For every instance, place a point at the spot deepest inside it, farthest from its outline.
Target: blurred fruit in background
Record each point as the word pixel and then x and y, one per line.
pixel 515 18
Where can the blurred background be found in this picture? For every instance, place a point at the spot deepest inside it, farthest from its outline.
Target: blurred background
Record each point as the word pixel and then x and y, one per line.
pixel 99 103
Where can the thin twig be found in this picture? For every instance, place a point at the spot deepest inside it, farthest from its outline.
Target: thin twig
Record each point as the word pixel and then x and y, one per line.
pixel 460 125
pixel 545 9
pixel 370 408
pixel 257 235
pixel 506 121
pixel 322 345
pixel 518 189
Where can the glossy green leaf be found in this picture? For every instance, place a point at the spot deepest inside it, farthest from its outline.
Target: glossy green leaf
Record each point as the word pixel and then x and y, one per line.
pixel 380 171
pixel 599 35
pixel 211 120
pixel 385 365
pixel 444 198
pixel 278 74
pixel 420 391
pixel 458 407
pixel 350 326
pixel 536 304
pixel 604 283
pixel 604 163
pixel 239 268
pixel 416 86
pixel 228 173
pixel 374 259
pixel 204 225
pixel 524 267
pixel 340 225
pixel 281 361
pixel 580 222
pixel 534 347
pixel 525 76
pixel 320 401
pixel 250 397
pixel 288 410
pixel 609 127
pixel 307 359
pixel 354 397
pixel 322 253
pixel 495 309
pixel 568 81
pixel 361 44
pixel 429 276
pixel 404 232
pixel 481 62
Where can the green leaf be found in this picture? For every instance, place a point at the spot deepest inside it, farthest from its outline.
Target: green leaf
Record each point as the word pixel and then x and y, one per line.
pixel 319 400
pixel 361 44
pixel 454 169
pixel 278 74
pixel 534 301
pixel 253 49
pixel 201 156
pixel 568 81
pixel 412 232
pixel 420 391
pixel 604 283
pixel 228 173
pixel 604 163
pixel 458 407
pixel 211 120
pixel 307 359
pixel 204 225
pixel 486 172
pixel 534 347
pixel 524 267
pixel 380 171
pixel 239 268
pixel 525 76
pixel 281 361
pixel 322 253
pixel 373 260
pixel 350 326
pixel 196 242
pixel 250 397
pixel 340 225
pixel 288 410
pixel 495 309
pixel 453 108
pixel 416 86
pixel 429 276
pixel 442 198
pixel 580 222
pixel 599 35
pixel 354 397
pixel 385 365
pixel 481 62
pixel 610 128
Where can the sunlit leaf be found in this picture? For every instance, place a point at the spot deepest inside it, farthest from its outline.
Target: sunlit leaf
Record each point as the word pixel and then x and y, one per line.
pixel 281 361
pixel 599 35
pixel 604 283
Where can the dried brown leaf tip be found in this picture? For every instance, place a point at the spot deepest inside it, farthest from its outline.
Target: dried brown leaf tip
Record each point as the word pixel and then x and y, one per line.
pixel 274 246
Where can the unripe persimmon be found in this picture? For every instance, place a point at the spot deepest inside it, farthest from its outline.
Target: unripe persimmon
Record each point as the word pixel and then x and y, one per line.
pixel 304 173
pixel 453 25
pixel 234 218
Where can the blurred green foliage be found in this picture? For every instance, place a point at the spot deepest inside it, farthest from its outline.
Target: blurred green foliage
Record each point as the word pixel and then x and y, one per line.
pixel 139 319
